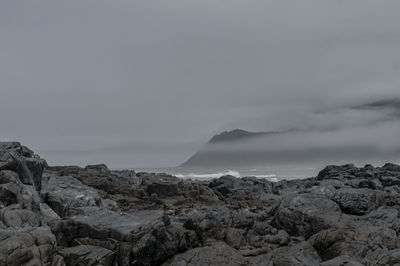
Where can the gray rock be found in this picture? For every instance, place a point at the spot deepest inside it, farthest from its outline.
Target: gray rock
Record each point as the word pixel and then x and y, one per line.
pixel 9 193
pixel 14 156
pixel 67 195
pixel 337 242
pixel 356 201
pixel 342 261
pixel 15 146
pixel 381 257
pixel 32 247
pixel 299 254
pixel 305 215
pixel 217 254
pixel 388 181
pixel 85 255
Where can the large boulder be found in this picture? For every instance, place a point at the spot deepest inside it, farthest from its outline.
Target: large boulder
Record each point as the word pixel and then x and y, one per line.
pixel 357 201
pixel 18 158
pixel 35 246
pixel 305 214
pixel 337 242
pixel 15 146
pixel 67 196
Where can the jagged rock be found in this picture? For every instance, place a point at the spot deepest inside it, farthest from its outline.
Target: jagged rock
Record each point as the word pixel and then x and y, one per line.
pixel 9 193
pixel 16 147
pixel 33 247
pixel 388 181
pixel 36 167
pixel 14 156
pixel 235 237
pixel 305 215
pixel 299 254
pixel 336 242
pixel 390 167
pixel 383 257
pixel 356 201
pixel 342 261
pixel 47 213
pixel 99 177
pixel 338 172
pixel 17 218
pixel 140 238
pixel 86 255
pixel 217 254
pixel 67 195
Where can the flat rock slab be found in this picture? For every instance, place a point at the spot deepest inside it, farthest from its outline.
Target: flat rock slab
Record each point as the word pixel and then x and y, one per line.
pixel 124 223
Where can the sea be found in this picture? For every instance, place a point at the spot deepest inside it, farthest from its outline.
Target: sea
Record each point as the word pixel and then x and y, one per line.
pixel 271 173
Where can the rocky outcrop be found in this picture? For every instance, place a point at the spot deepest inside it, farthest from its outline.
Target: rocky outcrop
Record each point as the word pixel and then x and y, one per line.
pixel 25 239
pixel 96 216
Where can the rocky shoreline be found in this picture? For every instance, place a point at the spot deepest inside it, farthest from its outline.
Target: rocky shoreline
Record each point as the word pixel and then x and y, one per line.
pixel 95 216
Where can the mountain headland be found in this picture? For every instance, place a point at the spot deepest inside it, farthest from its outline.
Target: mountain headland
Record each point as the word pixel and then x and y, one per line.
pixel 365 132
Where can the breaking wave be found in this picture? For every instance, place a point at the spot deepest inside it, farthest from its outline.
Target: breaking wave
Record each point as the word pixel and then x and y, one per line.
pixel 223 173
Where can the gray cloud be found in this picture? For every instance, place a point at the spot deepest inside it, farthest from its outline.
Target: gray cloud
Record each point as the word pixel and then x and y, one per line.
pixel 160 76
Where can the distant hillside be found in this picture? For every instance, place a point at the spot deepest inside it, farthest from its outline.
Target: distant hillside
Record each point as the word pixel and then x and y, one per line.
pixel 237 135
pixel 211 155
pixel 382 104
pixel 356 134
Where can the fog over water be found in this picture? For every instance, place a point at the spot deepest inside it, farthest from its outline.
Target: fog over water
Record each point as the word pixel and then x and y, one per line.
pixel 148 83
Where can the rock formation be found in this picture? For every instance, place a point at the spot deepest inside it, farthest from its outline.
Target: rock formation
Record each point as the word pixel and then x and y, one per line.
pixel 68 215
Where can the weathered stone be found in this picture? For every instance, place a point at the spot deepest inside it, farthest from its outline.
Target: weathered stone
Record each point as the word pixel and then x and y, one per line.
pixel 356 201
pixel 85 255
pixel 342 261
pixel 217 254
pixel 299 254
pixel 67 195
pixel 305 215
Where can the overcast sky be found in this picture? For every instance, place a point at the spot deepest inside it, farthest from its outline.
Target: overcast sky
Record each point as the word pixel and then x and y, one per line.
pixel 146 83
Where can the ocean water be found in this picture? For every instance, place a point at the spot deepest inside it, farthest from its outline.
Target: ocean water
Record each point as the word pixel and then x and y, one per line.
pixel 272 173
